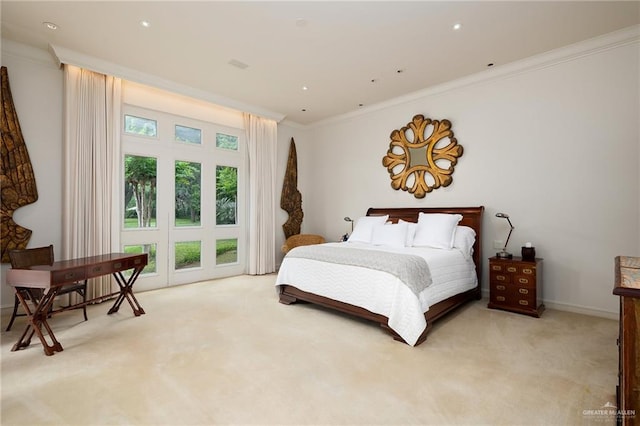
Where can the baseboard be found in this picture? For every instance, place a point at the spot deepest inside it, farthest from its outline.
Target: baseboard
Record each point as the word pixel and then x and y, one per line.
pixel 568 307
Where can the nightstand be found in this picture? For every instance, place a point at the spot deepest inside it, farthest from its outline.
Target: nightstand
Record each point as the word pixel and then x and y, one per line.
pixel 516 285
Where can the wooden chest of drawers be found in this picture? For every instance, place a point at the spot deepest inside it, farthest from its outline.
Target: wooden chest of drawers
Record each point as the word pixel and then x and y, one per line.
pixel 516 285
pixel 627 286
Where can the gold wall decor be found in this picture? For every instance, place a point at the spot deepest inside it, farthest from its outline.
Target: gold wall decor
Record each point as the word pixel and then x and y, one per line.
pixel 291 198
pixel 422 155
pixel 17 178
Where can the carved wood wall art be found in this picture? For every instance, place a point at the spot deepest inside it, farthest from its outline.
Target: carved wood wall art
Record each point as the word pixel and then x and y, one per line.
pixel 17 179
pixel 422 156
pixel 291 198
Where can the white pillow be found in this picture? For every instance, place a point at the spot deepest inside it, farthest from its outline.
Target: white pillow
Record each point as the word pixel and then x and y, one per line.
pixel 411 232
pixel 463 240
pixel 364 228
pixel 394 235
pixel 436 230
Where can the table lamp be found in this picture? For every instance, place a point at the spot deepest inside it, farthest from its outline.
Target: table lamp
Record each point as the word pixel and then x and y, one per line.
pixel 503 254
pixel 345 237
pixel 348 219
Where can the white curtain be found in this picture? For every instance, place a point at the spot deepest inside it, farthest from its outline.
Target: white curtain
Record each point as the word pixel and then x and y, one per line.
pixel 262 148
pixel 91 164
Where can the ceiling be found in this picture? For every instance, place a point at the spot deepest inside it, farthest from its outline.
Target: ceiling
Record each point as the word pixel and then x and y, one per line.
pixel 349 55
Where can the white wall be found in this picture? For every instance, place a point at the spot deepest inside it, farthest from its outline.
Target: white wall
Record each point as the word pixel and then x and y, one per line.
pixel 554 146
pixel 36 86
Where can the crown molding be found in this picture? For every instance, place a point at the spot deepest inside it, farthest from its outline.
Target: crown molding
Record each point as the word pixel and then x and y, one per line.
pixel 68 56
pixel 626 36
pixel 293 124
pixel 18 50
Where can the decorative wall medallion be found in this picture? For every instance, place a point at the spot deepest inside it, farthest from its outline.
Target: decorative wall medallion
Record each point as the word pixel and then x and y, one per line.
pixel 422 155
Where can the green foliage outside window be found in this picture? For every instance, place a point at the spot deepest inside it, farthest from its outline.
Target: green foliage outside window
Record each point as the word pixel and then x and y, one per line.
pixel 187 191
pixel 226 251
pixel 226 141
pixel 188 134
pixel 226 195
pixel 140 190
pixel 187 254
pixel 140 126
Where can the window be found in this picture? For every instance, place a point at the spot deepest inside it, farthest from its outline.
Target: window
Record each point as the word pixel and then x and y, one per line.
pixel 187 191
pixel 226 251
pixel 181 197
pixel 226 195
pixel 187 254
pixel 188 134
pixel 140 126
pixel 226 141
pixel 140 177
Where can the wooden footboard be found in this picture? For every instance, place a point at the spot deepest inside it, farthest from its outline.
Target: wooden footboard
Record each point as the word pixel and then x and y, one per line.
pixel 289 294
pixel 471 216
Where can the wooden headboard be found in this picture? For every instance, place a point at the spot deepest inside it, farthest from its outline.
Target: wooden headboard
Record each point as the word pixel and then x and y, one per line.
pixel 471 217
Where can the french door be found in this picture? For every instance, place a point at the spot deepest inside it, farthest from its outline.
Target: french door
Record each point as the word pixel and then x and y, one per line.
pixel 182 197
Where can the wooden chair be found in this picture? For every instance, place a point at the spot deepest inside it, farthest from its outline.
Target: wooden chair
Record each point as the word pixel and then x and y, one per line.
pixel 301 240
pixel 23 259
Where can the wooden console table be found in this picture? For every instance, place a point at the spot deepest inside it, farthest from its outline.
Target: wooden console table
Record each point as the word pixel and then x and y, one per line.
pixel 53 277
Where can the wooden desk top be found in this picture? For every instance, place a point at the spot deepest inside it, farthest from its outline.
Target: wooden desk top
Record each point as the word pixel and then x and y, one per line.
pixel 68 271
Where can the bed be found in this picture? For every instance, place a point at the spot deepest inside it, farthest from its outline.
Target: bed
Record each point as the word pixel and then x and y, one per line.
pixel 404 311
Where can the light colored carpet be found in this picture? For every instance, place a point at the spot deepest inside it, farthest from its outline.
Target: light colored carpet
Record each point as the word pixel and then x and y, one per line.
pixel 226 352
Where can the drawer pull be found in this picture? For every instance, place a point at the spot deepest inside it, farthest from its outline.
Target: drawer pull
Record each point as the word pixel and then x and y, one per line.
pixel 500 298
pixel 523 280
pixel 96 269
pixel 69 275
pixel 500 287
pixel 523 291
pixel 117 265
pixel 496 267
pixel 501 278
pixel 511 269
pixel 523 302
pixel 527 271
pixel 137 261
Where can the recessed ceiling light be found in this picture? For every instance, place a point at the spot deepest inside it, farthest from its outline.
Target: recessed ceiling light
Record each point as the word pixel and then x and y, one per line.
pixel 304 110
pixel 490 64
pixel 305 88
pixel 50 25
pixel 457 26
pixel 301 22
pixel 145 23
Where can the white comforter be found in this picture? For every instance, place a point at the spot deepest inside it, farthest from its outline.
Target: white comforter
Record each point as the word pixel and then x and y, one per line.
pixel 452 272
